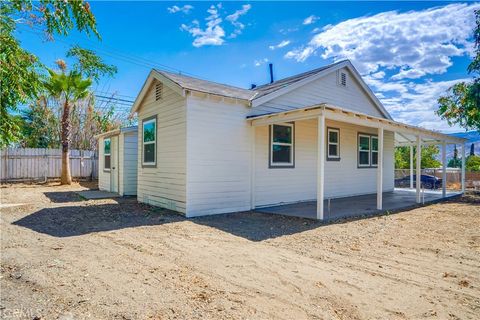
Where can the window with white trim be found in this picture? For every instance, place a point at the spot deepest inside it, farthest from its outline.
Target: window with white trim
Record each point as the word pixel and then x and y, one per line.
pixel 374 151
pixel 149 136
pixel 106 154
pixel 282 145
pixel 333 144
pixel 367 150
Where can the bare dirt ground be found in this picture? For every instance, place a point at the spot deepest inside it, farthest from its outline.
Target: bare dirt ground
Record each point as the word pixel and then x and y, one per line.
pixel 64 257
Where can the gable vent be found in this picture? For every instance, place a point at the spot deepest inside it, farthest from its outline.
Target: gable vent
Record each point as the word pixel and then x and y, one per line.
pixel 343 79
pixel 158 90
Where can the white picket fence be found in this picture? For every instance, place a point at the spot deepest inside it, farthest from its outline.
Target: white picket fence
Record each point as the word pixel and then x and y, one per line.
pixel 29 164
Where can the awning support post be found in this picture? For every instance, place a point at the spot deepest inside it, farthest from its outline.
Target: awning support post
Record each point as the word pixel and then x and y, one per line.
pixel 418 180
pixel 320 166
pixel 463 167
pixel 380 170
pixel 411 167
pixel 444 169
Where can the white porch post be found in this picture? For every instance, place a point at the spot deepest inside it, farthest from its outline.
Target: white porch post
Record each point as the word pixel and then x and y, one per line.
pixel 463 167
pixel 380 170
pixel 320 165
pixel 418 180
pixel 444 169
pixel 411 167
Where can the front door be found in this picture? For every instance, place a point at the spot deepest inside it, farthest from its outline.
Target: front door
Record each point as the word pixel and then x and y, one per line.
pixel 114 165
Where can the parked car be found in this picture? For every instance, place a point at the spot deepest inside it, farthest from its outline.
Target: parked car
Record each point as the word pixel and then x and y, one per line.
pixel 427 181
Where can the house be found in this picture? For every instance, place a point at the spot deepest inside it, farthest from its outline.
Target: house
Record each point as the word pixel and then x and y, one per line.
pixel 208 148
pixel 118 161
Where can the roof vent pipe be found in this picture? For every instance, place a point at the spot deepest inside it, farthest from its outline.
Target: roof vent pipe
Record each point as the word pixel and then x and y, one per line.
pixel 270 65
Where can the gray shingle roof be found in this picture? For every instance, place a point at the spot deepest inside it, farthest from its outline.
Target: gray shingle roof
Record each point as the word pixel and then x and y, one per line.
pixel 206 86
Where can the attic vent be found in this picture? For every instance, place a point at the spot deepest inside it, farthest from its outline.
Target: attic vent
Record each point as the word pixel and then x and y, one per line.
pixel 158 91
pixel 343 79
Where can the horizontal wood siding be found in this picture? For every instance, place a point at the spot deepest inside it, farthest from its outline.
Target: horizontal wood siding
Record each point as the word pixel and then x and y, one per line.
pixel 219 157
pixel 323 90
pixel 342 178
pixel 164 185
pixel 128 171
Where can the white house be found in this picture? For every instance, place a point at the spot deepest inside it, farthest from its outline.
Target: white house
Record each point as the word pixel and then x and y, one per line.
pixel 207 148
pixel 117 169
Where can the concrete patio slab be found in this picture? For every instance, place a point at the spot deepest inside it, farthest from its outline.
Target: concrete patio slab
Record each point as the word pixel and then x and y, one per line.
pixel 357 205
pixel 97 194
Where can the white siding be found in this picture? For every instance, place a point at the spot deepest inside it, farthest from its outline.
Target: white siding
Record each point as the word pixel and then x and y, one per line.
pixel 128 173
pixel 342 178
pixel 218 165
pixel 164 185
pixel 323 90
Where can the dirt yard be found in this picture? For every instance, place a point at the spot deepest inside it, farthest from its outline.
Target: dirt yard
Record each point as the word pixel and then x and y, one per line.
pixel 67 258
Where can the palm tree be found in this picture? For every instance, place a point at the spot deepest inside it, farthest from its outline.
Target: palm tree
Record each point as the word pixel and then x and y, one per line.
pixel 67 88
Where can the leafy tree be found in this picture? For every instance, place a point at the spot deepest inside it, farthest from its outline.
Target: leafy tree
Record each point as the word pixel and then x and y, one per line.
pixel 472 149
pixel 472 163
pixel 40 127
pixel 20 70
pixel 429 157
pixel 461 105
pixel 455 162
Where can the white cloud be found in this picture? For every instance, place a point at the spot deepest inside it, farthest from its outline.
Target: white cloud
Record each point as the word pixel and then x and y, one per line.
pixel 282 44
pixel 185 9
pixel 214 32
pixel 417 42
pixel 309 20
pixel 233 18
pixel 258 63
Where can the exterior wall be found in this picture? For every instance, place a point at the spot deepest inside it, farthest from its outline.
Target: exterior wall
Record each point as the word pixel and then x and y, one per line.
pixel 323 90
pixel 219 145
pixel 342 178
pixel 128 169
pixel 164 185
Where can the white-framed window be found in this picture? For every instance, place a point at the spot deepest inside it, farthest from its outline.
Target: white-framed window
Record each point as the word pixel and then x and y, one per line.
pixel 374 151
pixel 107 143
pixel 282 143
pixel 367 150
pixel 149 139
pixel 333 144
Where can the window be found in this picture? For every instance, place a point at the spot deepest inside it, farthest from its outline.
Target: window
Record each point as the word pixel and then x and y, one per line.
pixel 149 141
pixel 374 151
pixel 106 154
pixel 158 91
pixel 333 144
pixel 282 145
pixel 367 150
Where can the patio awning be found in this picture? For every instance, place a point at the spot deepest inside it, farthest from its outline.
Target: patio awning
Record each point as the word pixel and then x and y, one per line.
pixel 404 134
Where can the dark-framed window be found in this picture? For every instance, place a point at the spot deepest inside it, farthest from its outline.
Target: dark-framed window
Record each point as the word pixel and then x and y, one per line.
pixel 107 143
pixel 282 145
pixel 149 141
pixel 367 150
pixel 333 144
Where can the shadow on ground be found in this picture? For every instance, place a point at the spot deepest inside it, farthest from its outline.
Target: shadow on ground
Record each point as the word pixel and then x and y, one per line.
pixel 63 196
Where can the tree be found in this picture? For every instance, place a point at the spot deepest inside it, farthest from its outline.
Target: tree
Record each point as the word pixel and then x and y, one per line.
pixel 472 163
pixel 68 87
pixel 454 162
pixel 461 105
pixel 429 157
pixel 40 126
pixel 472 149
pixel 20 70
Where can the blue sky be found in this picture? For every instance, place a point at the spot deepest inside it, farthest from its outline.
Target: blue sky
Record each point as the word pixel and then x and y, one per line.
pixel 408 52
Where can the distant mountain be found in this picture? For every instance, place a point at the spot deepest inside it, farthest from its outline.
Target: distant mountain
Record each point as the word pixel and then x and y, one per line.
pixel 472 136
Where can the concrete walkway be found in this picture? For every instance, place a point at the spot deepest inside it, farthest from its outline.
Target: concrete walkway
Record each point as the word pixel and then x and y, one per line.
pixel 97 194
pixel 358 205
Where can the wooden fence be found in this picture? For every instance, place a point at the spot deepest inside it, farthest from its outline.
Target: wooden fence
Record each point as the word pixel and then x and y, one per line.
pixel 29 164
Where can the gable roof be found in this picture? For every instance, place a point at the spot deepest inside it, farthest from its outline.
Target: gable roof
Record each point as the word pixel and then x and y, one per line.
pixel 258 95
